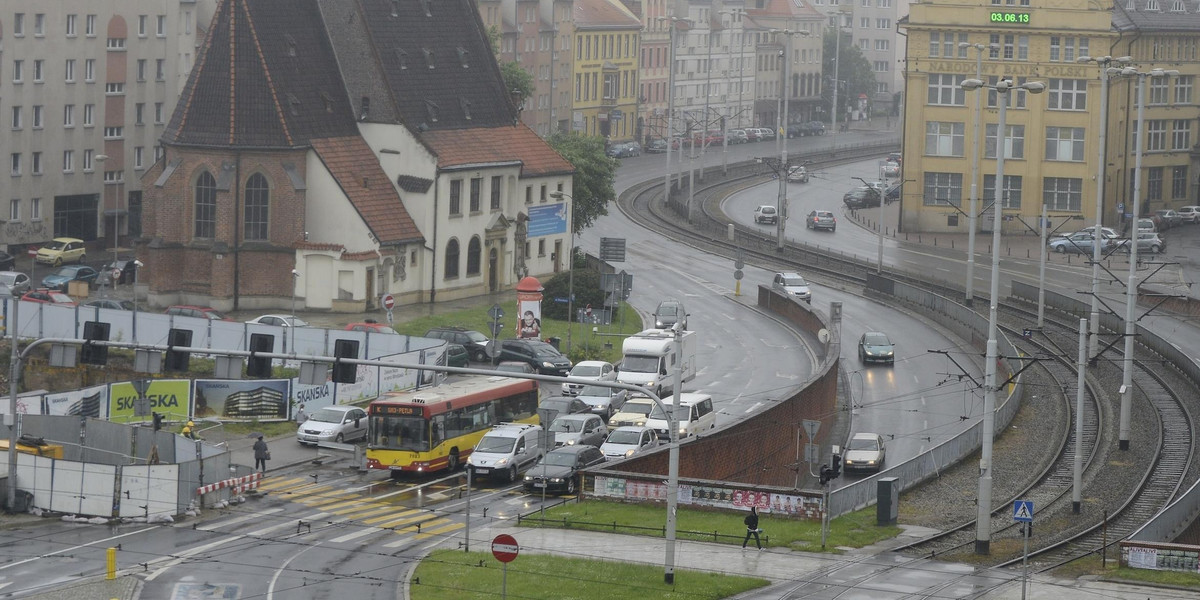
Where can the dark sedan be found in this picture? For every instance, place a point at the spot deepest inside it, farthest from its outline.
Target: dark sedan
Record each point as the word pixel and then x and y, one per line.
pixel 62 276
pixel 558 471
pixel 7 262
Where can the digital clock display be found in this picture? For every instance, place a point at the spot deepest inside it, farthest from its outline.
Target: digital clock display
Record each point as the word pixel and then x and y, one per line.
pixel 1017 18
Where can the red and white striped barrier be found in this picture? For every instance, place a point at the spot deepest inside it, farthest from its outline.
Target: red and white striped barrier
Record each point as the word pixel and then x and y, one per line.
pixel 240 484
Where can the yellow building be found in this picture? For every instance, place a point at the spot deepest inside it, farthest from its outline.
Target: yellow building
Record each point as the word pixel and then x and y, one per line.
pixel 605 70
pixel 1052 140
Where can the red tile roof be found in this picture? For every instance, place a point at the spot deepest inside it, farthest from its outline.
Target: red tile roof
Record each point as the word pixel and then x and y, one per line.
pixel 356 169
pixel 484 145
pixel 604 14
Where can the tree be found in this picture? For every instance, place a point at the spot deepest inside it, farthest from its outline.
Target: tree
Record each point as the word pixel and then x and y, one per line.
pixel 594 174
pixel 855 71
pixel 517 81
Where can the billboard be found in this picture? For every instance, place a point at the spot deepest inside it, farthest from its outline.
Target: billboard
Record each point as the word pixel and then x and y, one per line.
pixel 263 399
pixel 547 219
pixel 172 397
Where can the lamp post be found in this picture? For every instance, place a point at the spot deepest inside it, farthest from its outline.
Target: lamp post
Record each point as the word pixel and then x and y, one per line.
pixel 781 201
pixel 977 137
pixel 983 522
pixel 1104 63
pixel 14 378
pixel 137 266
pixel 670 101
pixel 734 14
pixel 1131 286
pixel 292 324
pixel 557 195
pixel 837 64
pixel 879 228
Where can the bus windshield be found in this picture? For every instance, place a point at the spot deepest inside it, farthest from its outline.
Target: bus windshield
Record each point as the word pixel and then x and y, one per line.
pixel 399 433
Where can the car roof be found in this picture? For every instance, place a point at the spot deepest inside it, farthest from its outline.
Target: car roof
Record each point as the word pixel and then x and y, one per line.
pixel 571 449
pixel 67 239
pixel 866 436
pixel 342 408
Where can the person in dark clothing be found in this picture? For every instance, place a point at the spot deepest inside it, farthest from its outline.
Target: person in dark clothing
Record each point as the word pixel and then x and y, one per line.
pixel 261 454
pixel 752 529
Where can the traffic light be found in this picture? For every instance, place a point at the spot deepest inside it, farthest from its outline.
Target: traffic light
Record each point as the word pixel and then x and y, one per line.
pixel 825 474
pixel 260 366
pixel 91 354
pixel 158 420
pixel 345 372
pixel 836 469
pixel 177 360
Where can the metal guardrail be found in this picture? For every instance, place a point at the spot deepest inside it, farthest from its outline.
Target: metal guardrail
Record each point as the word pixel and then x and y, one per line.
pixel 614 527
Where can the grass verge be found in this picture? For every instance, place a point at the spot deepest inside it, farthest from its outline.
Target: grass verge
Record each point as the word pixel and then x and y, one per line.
pixel 456 575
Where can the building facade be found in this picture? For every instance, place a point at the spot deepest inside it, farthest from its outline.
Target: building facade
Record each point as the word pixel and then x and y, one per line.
pixel 765 21
pixel 86 90
pixel 607 51
pixel 537 35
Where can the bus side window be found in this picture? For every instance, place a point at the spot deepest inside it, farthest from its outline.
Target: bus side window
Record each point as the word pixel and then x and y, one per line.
pixel 439 432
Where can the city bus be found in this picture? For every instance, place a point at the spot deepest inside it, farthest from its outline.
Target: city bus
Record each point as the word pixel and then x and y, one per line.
pixel 437 428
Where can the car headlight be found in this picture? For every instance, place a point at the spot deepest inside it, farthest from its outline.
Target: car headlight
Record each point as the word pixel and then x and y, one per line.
pixel 502 462
pixel 570 442
pixel 529 478
pixel 556 480
pixel 682 429
pixel 630 452
pixel 548 365
pixel 640 423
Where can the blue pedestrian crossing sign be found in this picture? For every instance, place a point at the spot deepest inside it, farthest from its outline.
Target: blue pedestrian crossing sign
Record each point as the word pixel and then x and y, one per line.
pixel 1023 511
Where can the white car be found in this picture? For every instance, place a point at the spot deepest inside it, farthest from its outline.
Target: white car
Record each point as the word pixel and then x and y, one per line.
pixel 627 441
pixel 279 321
pixel 339 424
pixel 1107 232
pixel 792 284
pixel 865 452
pixel 595 370
pixel 797 173
pixel 766 214
pixel 1189 214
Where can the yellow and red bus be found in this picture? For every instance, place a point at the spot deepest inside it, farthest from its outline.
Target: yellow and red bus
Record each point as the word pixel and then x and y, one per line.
pixel 437 428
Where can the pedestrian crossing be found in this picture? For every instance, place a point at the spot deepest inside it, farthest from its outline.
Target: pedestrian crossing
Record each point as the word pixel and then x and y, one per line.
pixel 364 519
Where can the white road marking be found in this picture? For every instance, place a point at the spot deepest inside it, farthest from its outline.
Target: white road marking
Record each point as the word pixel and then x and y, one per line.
pixel 217 525
pixel 283 567
pixel 179 557
pixel 400 542
pixel 753 408
pixel 73 548
pixel 354 536
pixel 289 523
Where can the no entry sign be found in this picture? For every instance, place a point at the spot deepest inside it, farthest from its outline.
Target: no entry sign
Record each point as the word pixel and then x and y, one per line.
pixel 389 301
pixel 505 548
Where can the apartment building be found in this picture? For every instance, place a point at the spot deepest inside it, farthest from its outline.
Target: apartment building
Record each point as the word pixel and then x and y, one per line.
pixel 653 70
pixel 714 72
pixel 86 90
pixel 537 35
pixel 764 26
pixel 607 54
pixel 873 27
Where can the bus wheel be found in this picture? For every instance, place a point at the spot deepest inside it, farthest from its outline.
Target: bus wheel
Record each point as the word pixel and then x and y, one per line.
pixel 453 460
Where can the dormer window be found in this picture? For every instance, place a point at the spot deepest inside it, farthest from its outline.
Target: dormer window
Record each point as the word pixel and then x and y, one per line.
pixel 425 7
pixel 432 109
pixel 428 57
pixel 462 56
pixel 1177 6
pixel 293 105
pixel 395 8
pixel 402 56
pixel 466 107
pixel 291 43
pixel 365 104
pixel 327 100
pixel 1152 5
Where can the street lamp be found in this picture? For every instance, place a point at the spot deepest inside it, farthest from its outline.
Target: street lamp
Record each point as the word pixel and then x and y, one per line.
pixel 137 266
pixel 1131 286
pixel 781 201
pixel 1106 70
pixel 983 522
pixel 292 325
pixel 837 64
pixel 558 195
pixel 879 228
pixel 978 139
pixel 670 99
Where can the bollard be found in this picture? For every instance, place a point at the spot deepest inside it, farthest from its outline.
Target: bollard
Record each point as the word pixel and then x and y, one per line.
pixel 951 244
pixel 935 242
pixel 111 560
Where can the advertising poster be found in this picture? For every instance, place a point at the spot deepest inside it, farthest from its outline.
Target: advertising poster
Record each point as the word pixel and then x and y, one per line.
pixel 87 402
pixel 398 379
pixel 263 399
pixel 30 403
pixel 365 386
pixel 313 397
pixel 547 219
pixel 172 397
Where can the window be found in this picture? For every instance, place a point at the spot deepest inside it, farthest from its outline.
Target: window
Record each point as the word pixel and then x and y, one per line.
pixel 116 43
pixel 883 23
pixel 14 210
pixel 543 198
pixel 90 26
pixel 19 25
pixel 15 163
pixel 1014 143
pixel 1068 48
pixel 89 114
pixel 17 120
pixel 71 25
pixel 943 189
pixel 1154 183
pixel 1179 181
pixel 35 209
pixel 89 69
pixel 39 25
pixel 69 71
pixel 476 190
pixel 496 193
pixel 161 26
pixel 114 88
pixel 1067 94
pixel 529 194
pixel 944 89
pixel 455 198
pixel 141 69
pixel 882 44
pixel 114 176
pixel 258 196
pixel 160 69
pixel 139 113
pixel 18 70
pixel 1183 89
pixel 138 156
pixel 68 161
pixel 451 271
pixel 206 206
pixel 113 133
pixel 38 120
pixel 1062 193
pixel 158 153
pixel 39 71
pixel 1158 89
pixel 87 160
pixel 1064 143
pixel 1156 135
pixel 943 138
pixel 1181 134
pixel 474 256
pixel 159 113
pixel 142 25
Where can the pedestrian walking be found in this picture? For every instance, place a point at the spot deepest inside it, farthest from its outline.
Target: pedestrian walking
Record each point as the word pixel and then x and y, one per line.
pixel 301 416
pixel 752 529
pixel 262 455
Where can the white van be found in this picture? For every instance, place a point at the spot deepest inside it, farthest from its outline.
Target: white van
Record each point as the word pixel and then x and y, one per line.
pixel 505 451
pixel 698 416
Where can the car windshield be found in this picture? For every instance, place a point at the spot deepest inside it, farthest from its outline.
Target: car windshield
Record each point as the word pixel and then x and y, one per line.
pixel 214 315
pixel 475 336
pixel 876 339
pixel 863 444
pixel 55 245
pixel 327 415
pixel 595 390
pixel 496 443
pixel 566 426
pixel 546 351
pixel 793 281
pixel 638 407
pixel 640 364
pixel 624 437
pixel 667 309
pixel 586 371
pixel 767 209
pixel 558 459
pixel 657 413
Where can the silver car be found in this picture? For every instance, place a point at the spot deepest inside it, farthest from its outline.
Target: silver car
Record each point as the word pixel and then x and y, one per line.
pixel 339 424
pixel 579 430
pixel 1146 242
pixel 792 284
pixel 865 452
pixel 13 283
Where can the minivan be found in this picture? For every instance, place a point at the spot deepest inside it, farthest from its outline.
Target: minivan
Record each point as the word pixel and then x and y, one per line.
pixel 475 342
pixel 694 415
pixel 506 451
pixel 543 357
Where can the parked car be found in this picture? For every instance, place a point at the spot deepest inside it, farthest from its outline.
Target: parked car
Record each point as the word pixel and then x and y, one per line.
pixel 14 283
pixel 1145 225
pixel 543 357
pixel 48 297
pixel 627 441
pixel 797 174
pixel 792 284
pixel 767 133
pixel 737 136
pixel 279 321
pixel 550 408
pixel 127 268
pixel 475 342
pixel 578 429
pixel 865 452
pixel 876 346
pixel 1189 214
pixel 1106 232
pixel 766 214
pixel 1080 242
pixel 635 411
pixel 624 150
pixel 457 356
pixel 809 128
pixel 558 471
pixel 1146 242
pixel 506 451
pixel 604 401
pixel 61 250
pixel 203 312
pixel 861 197
pixel 61 277
pixel 821 219
pixel 109 303
pixel 657 146
pixel 754 134
pixel 889 169
pixel 514 366
pixel 669 312
pixel 7 261
pixel 339 424
pixel 371 326
pixel 1170 217
pixel 595 370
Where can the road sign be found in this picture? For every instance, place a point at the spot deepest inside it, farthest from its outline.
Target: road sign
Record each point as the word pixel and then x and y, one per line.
pixel 812 453
pixel 32 252
pixel 495 312
pixel 612 249
pixel 389 301
pixel 811 427
pixel 116 274
pixel 738 274
pixel 505 548
pixel 1120 207
pixel 1023 511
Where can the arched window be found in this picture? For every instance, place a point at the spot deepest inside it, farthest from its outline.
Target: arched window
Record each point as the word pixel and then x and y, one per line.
pixel 474 256
pixel 206 206
pixel 258 197
pixel 452 259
